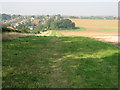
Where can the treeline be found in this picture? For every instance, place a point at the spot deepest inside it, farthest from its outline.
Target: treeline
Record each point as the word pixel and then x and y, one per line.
pixel 94 17
pixel 8 16
pixel 53 24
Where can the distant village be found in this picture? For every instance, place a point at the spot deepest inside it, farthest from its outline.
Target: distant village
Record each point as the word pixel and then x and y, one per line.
pixel 30 22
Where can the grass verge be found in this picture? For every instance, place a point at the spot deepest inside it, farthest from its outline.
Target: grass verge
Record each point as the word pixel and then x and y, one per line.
pixel 81 29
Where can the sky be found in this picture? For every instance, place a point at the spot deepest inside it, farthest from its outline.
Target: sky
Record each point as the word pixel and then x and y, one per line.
pixel 73 7
pixel 59 0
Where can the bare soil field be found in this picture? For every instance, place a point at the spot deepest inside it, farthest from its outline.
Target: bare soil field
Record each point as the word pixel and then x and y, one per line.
pixel 95 29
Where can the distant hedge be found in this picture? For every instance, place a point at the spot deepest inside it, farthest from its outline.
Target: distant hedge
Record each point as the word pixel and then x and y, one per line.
pixel 60 24
pixel 64 24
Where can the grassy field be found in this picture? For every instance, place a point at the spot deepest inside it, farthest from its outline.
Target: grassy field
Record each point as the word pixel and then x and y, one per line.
pixel 108 30
pixel 59 61
pixel 80 29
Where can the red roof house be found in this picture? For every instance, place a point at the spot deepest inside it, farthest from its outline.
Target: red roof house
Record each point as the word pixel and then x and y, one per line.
pixel 36 21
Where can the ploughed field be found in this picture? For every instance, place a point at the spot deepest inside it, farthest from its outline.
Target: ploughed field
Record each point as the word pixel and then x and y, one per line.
pixel 59 61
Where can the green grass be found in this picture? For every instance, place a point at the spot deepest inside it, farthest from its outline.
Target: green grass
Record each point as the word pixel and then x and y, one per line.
pixel 81 29
pixel 56 33
pixel 55 61
pixel 108 30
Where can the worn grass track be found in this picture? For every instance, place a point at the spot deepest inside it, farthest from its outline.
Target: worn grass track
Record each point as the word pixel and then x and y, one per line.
pixel 58 61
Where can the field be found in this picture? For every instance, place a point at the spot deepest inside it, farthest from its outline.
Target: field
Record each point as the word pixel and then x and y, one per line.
pixel 57 61
pixel 96 29
pixel 98 24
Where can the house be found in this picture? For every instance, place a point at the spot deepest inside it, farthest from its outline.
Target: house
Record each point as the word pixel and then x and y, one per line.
pixel 31 27
pixel 17 24
pixel 35 21
pixel 43 23
pixel 31 19
pixel 10 27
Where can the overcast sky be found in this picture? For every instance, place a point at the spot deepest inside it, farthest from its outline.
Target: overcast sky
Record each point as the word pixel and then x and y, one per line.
pixel 63 8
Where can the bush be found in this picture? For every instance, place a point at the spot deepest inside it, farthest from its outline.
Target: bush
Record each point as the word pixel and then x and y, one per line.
pixel 60 24
pixel 5 29
pixel 64 24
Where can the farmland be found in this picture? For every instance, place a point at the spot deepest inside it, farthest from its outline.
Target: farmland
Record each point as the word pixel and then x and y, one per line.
pixel 96 29
pixel 96 24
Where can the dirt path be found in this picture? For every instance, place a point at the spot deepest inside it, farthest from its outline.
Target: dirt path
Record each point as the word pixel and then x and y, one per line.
pixel 56 68
pixel 57 79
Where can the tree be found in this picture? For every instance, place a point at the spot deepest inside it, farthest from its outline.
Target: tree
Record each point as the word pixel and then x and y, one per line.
pixel 49 23
pixel 24 30
pixel 6 17
pixel 54 23
pixel 64 24
pixel 33 16
pixel 74 17
pixel 39 27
